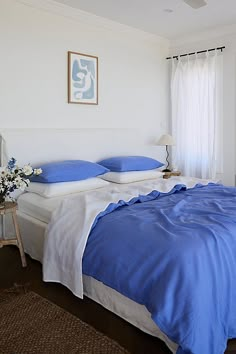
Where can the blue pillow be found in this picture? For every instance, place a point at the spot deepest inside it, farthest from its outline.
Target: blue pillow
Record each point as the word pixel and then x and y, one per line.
pixel 69 170
pixel 130 163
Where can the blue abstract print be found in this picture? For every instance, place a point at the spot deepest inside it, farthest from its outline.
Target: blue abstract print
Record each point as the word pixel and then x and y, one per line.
pixel 83 75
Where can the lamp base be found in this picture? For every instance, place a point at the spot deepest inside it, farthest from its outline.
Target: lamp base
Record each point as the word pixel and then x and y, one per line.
pixel 166 170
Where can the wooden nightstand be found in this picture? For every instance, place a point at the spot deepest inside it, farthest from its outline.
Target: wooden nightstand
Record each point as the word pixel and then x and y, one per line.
pixel 10 207
pixel 171 173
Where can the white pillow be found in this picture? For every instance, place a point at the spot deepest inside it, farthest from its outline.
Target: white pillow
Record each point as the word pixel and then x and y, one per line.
pixel 49 190
pixel 131 176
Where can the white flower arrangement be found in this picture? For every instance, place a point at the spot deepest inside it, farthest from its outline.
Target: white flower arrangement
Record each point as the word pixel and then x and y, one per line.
pixel 14 177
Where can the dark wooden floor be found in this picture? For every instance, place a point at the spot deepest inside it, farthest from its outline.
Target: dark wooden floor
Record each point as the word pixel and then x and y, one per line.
pixel 87 310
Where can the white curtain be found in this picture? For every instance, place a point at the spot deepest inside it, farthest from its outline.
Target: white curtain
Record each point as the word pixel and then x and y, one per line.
pixel 196 102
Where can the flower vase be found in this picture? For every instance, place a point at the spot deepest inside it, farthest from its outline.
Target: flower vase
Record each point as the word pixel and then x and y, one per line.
pixel 2 201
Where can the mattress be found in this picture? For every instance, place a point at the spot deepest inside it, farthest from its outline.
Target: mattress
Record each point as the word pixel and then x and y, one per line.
pixel 38 207
pixel 34 213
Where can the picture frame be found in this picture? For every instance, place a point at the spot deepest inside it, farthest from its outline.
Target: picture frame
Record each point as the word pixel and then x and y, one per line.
pixel 82 78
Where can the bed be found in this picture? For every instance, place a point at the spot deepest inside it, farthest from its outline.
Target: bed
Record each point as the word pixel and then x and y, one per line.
pixel 188 285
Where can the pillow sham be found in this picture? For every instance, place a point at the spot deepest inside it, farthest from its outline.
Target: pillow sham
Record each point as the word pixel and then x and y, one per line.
pixel 49 190
pixel 68 170
pixel 130 163
pixel 131 176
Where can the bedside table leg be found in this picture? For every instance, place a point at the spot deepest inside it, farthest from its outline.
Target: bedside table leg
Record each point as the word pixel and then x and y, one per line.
pixel 19 240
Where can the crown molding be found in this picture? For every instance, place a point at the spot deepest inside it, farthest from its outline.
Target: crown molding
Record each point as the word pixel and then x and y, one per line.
pixel 216 33
pixel 87 18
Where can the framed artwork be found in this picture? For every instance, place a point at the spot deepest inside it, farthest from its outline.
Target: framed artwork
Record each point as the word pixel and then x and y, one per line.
pixel 82 78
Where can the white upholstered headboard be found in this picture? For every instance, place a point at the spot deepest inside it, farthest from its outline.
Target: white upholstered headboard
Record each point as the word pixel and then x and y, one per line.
pixel 37 146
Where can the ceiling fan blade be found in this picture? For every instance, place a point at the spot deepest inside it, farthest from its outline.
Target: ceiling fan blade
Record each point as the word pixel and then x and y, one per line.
pixel 195 4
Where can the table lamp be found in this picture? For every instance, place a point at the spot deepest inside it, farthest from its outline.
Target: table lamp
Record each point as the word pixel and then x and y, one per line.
pixel 166 140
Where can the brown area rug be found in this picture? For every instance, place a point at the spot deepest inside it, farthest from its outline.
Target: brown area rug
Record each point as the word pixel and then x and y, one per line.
pixel 32 324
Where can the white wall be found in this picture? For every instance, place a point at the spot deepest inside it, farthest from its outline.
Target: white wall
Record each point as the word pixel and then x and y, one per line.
pixel 216 38
pixel 35 36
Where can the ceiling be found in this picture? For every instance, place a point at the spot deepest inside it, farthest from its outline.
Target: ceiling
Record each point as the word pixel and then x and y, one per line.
pixel 167 18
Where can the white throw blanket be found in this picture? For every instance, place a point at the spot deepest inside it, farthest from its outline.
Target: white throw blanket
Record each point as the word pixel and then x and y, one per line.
pixel 71 222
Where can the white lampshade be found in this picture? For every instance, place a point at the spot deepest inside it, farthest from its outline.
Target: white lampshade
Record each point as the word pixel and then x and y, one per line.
pixel 166 139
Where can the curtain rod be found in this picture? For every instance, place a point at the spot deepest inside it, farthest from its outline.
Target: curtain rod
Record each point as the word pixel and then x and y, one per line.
pixel 201 51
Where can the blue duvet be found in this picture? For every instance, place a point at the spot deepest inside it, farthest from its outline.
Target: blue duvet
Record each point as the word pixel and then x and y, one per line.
pixel 175 253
